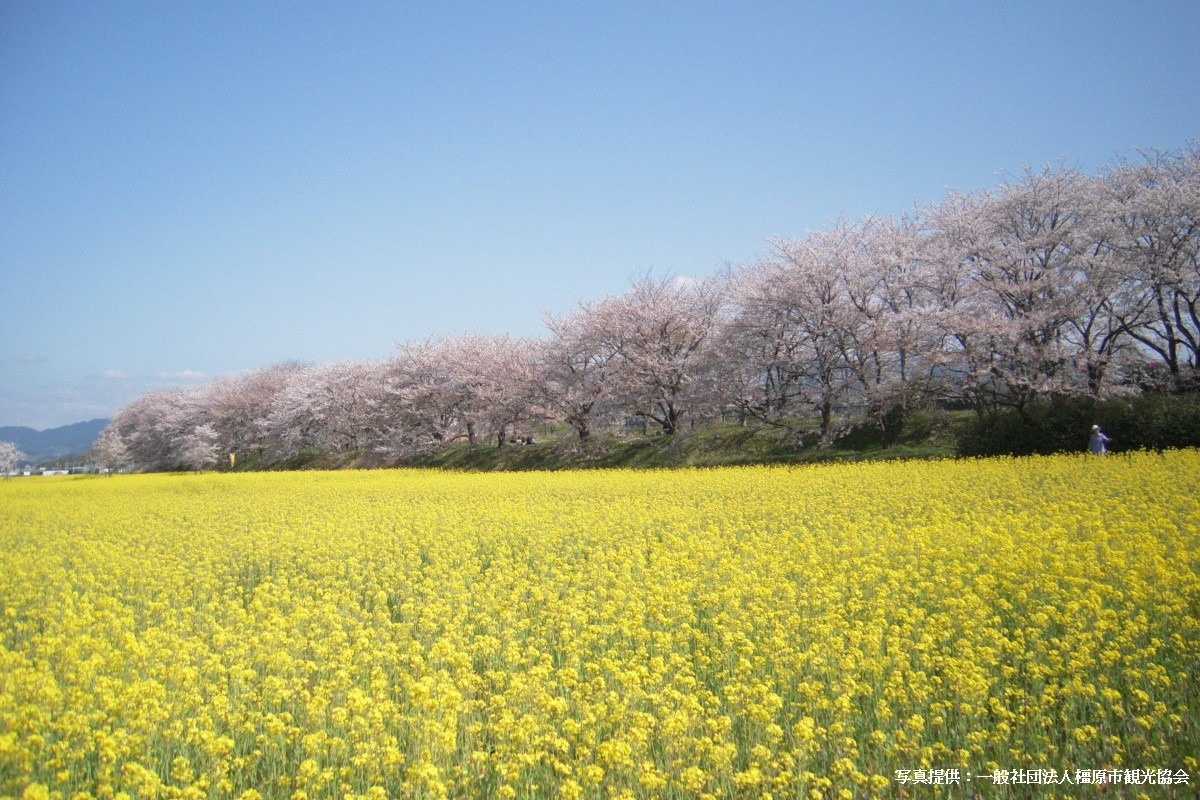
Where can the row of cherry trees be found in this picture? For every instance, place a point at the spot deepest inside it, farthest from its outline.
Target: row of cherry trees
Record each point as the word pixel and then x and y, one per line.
pixel 1056 283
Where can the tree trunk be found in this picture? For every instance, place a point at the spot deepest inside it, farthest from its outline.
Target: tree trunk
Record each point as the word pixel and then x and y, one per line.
pixel 670 420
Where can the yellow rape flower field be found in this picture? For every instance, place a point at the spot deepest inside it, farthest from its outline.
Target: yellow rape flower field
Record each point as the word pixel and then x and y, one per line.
pixel 917 629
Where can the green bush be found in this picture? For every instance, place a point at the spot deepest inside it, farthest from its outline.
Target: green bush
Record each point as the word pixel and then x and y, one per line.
pixel 1151 421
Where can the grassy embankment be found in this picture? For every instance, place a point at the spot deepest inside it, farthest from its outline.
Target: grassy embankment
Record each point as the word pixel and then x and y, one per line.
pixel 925 436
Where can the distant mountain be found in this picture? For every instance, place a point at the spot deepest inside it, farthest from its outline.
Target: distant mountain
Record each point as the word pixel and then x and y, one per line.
pixel 69 440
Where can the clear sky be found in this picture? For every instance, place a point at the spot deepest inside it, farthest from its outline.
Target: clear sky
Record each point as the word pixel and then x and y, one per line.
pixel 189 190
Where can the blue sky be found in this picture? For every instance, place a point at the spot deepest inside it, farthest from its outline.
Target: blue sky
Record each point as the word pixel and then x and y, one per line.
pixel 189 190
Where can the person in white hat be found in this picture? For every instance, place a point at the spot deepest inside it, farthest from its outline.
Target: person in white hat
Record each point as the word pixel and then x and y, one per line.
pixel 1098 444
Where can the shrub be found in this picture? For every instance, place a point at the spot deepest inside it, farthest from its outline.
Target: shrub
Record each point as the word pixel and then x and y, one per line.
pixel 1152 421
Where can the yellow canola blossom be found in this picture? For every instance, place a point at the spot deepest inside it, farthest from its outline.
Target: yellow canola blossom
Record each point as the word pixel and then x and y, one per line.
pixel 744 632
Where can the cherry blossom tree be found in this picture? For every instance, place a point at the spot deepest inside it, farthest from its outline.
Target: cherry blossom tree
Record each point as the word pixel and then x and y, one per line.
pixel 10 456
pixel 199 448
pixel 660 330
pixel 821 323
pixel 325 407
pixel 956 308
pixel 468 386
pixel 893 347
pixel 111 450
pixel 499 375
pixel 1096 336
pixel 238 408
pixel 1025 249
pixel 422 384
pixel 763 338
pixel 154 427
pixel 578 368
pixel 1050 284
pixel 1154 208
pixel 824 323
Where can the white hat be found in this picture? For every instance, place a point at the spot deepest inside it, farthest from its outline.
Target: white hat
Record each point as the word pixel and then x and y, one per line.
pixel 1095 427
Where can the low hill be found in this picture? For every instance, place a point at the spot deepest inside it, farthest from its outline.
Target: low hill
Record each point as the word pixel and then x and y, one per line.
pixel 68 440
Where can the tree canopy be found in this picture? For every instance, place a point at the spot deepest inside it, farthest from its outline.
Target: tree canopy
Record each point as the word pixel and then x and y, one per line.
pixel 1055 284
